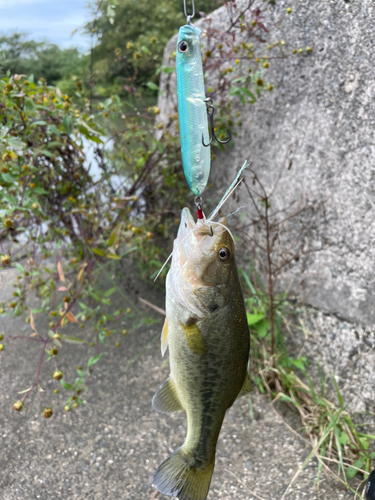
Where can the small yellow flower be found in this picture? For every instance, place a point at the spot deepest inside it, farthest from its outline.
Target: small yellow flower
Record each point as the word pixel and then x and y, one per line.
pixel 5 260
pixel 18 405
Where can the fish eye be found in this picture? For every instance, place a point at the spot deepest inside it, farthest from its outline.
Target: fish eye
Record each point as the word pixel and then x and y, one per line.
pixel 183 46
pixel 224 254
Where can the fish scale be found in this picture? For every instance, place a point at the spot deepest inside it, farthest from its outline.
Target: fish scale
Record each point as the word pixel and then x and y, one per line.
pixel 192 112
pixel 207 335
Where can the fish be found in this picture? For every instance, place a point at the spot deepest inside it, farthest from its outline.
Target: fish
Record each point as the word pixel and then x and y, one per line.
pixel 192 111
pixel 207 335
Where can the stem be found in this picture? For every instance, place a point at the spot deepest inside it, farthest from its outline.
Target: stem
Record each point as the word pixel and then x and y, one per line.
pixel 270 280
pixel 88 269
pixel 38 372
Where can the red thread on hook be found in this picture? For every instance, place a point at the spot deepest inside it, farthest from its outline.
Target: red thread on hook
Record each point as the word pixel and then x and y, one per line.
pixel 200 213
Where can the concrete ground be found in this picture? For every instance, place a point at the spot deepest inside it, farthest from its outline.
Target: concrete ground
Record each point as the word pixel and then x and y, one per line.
pixel 109 448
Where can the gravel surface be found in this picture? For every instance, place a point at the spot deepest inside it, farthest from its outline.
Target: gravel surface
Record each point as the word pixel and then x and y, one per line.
pixel 110 447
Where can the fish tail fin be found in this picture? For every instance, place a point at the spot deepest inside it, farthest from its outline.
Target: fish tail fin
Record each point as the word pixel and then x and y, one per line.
pixel 180 476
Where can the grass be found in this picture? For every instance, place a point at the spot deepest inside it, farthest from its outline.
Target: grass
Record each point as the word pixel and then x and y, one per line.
pixel 337 443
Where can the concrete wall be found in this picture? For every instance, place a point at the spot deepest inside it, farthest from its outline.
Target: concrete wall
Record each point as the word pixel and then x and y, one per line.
pixel 322 109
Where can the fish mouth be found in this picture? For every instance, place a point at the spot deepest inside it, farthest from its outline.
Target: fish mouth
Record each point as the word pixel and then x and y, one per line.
pixel 196 241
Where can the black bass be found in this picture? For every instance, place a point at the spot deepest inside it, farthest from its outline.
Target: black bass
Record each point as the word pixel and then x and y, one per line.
pixel 207 334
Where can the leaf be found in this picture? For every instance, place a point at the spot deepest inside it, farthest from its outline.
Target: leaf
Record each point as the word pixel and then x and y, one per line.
pixel 299 363
pixel 65 384
pixel 70 316
pixel 115 236
pixel 98 251
pixel 109 292
pixel 365 442
pixel 254 318
pixel 39 122
pixel 350 472
pixel 80 274
pixel 39 190
pixel 32 324
pixel 67 124
pixel 152 86
pixel 72 340
pixel 262 328
pixel 339 397
pixel 8 178
pixel 344 439
pixel 168 69
pixel 94 359
pixel 62 288
pixel 247 92
pixel 61 272
pixel 113 256
pixel 90 136
pixel 284 397
pixel 25 390
pixel 19 267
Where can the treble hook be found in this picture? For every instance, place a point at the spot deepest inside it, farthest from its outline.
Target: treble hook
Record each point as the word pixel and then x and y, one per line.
pixel 189 17
pixel 210 112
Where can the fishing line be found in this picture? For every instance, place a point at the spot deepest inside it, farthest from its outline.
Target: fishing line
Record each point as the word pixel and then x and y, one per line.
pixel 201 217
pixel 165 263
pixel 230 190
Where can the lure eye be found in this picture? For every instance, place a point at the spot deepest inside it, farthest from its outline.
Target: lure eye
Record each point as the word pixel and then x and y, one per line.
pixel 224 254
pixel 183 46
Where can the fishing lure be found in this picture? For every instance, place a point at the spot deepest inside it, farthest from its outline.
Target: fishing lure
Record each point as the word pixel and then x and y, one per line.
pixel 192 109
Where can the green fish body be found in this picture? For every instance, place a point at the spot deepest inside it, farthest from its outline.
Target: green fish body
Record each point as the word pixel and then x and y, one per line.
pixel 207 335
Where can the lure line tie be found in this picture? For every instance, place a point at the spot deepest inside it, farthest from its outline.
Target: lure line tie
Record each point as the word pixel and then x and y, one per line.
pixel 189 17
pixel 198 203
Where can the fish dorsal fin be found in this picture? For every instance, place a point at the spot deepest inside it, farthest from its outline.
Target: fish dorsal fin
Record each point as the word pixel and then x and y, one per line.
pixel 246 388
pixel 164 337
pixel 166 398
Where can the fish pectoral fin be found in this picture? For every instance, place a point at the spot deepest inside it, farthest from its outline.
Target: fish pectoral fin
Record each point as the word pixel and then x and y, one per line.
pixel 246 388
pixel 194 338
pixel 164 337
pixel 166 399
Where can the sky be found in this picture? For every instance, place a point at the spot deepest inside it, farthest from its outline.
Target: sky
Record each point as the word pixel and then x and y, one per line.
pixel 46 19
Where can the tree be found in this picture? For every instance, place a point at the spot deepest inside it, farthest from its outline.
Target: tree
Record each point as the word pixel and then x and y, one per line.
pixel 19 55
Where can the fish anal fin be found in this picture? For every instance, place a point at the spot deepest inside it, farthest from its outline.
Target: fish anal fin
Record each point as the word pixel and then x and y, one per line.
pixel 164 337
pixel 179 477
pixel 166 399
pixel 194 338
pixel 246 388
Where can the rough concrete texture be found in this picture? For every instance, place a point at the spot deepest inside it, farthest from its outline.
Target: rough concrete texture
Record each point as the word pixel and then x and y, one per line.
pixel 322 109
pixel 345 351
pixel 109 448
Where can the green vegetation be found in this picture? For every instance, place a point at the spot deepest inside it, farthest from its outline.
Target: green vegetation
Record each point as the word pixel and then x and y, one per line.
pixel 335 438
pixel 75 224
pixel 44 60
